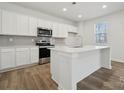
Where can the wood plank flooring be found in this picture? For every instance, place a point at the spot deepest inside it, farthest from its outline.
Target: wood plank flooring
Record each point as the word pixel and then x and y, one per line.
pixel 38 78
pixel 105 79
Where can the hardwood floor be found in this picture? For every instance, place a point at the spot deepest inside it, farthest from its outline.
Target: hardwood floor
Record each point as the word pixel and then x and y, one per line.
pixel 31 78
pixel 38 77
pixel 105 79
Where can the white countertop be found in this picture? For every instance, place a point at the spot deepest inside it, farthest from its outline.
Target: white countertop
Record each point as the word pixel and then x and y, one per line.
pixel 19 46
pixel 81 49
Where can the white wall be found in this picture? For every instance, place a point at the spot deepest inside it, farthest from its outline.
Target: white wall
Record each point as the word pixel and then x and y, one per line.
pixel 115 33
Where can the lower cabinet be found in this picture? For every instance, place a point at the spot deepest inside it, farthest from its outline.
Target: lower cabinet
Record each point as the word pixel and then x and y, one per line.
pixel 22 56
pixel 54 66
pixel 34 55
pixel 7 57
pixel 14 57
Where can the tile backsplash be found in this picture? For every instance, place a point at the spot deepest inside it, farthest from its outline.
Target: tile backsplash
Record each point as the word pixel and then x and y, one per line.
pixel 16 40
pixel 25 40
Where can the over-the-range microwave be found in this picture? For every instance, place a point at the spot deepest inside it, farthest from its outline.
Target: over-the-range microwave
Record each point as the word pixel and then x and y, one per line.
pixel 44 32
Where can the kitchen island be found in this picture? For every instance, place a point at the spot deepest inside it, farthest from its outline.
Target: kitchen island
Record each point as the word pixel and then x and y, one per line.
pixel 70 65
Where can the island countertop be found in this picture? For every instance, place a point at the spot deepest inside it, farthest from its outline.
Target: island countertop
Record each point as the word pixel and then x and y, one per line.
pixel 80 49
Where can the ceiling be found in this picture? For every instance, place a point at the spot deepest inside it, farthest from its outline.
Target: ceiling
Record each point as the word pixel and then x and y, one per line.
pixel 88 10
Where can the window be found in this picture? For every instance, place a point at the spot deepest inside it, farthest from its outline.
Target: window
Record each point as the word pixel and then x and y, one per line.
pixel 101 34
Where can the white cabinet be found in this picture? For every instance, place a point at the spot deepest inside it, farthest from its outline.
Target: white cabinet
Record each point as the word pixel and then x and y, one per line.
pixel 9 23
pixel 59 30
pixel 41 23
pixel 63 32
pixel 44 24
pixel 55 30
pixel 49 24
pixel 33 22
pixel 54 66
pixel 22 56
pixel 34 54
pixel 22 25
pixel 0 21
pixel 72 29
pixel 7 58
pixel 14 57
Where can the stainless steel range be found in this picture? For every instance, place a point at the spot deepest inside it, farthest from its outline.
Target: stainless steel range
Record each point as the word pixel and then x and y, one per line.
pixel 44 37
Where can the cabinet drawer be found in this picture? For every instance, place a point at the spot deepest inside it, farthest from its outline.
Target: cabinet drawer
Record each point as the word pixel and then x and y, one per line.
pixel 21 49
pixel 7 50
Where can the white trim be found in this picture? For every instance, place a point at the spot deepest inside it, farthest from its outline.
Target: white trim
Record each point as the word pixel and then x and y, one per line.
pixel 118 60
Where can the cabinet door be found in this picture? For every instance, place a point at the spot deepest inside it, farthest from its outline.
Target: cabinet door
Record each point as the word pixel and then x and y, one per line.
pixel 23 25
pixel 34 55
pixel 54 66
pixel 49 24
pixel 55 30
pixel 42 23
pixel 7 58
pixel 63 30
pixel 0 21
pixel 72 29
pixel 22 56
pixel 9 22
pixel 33 26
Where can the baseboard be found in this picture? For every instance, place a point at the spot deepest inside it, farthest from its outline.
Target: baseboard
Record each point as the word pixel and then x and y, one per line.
pixel 117 60
pixel 19 67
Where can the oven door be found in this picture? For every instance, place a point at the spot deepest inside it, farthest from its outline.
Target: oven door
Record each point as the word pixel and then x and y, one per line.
pixel 44 55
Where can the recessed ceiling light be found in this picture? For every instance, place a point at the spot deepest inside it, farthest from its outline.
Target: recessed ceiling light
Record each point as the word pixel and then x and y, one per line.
pixel 64 9
pixel 79 16
pixel 104 6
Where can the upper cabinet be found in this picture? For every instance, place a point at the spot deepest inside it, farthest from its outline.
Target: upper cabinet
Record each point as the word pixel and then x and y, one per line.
pixel 63 31
pixel 41 23
pixel 22 25
pixel 72 29
pixel 59 30
pixel 55 29
pixel 33 22
pixel 0 21
pixel 12 23
pixel 9 23
pixel 49 24
pixel 44 24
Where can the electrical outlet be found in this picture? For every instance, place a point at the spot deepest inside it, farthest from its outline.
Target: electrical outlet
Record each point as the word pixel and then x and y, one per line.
pixel 32 40
pixel 10 39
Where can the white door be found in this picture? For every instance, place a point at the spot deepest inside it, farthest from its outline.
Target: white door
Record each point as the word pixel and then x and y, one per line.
pixel 7 58
pixel 22 56
pixel 0 21
pixel 23 25
pixel 33 26
pixel 9 22
pixel 34 55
